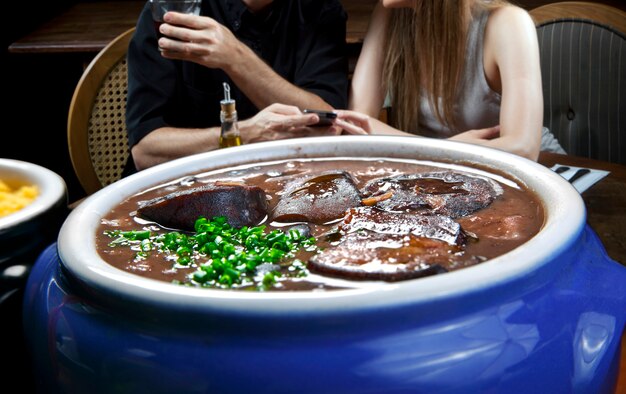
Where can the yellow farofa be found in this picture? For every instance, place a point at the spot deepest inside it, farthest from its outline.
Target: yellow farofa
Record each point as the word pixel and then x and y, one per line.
pixel 13 200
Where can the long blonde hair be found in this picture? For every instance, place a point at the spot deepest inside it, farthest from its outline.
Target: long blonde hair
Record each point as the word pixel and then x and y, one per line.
pixel 426 50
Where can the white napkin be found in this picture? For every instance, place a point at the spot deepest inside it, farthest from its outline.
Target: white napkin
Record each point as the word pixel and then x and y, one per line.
pixel 584 182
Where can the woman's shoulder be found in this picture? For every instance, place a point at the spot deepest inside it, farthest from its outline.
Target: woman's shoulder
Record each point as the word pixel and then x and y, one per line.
pixel 510 16
pixel 510 39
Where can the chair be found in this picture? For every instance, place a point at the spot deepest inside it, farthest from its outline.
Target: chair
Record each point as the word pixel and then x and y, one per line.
pixel 96 129
pixel 583 58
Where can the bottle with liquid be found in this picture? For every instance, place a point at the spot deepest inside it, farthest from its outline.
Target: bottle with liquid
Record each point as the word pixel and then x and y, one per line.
pixel 230 128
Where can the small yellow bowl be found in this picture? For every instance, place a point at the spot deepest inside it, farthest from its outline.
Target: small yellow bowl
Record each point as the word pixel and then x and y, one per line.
pixel 52 192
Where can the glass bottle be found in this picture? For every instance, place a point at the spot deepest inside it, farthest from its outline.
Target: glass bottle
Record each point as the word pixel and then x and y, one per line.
pixel 229 135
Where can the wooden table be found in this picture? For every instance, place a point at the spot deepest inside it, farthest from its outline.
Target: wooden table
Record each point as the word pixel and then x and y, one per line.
pixel 84 27
pixel 606 215
pixel 605 202
pixel 89 27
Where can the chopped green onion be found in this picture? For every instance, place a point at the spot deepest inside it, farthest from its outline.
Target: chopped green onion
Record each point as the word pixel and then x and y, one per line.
pixel 233 254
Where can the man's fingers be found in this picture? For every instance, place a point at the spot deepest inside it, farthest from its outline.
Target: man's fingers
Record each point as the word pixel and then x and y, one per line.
pixel 182 34
pixel 284 109
pixel 167 44
pixel 173 55
pixel 178 50
pixel 187 20
pixel 301 120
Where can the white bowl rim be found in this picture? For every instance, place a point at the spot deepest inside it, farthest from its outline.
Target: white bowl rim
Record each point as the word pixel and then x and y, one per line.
pixel 563 207
pixel 52 189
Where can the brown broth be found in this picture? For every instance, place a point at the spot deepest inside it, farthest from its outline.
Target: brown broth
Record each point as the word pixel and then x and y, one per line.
pixel 511 220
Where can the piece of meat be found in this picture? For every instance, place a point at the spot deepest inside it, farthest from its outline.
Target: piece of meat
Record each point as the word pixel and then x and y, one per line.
pixel 242 205
pixel 445 193
pixel 372 219
pixel 371 256
pixel 379 245
pixel 320 199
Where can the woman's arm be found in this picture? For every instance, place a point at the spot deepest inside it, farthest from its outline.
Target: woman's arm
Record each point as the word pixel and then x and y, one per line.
pixel 353 122
pixel 366 91
pixel 511 62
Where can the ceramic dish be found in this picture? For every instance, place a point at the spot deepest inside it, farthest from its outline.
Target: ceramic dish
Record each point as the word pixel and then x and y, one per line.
pixel 52 191
pixel 26 232
pixel 545 317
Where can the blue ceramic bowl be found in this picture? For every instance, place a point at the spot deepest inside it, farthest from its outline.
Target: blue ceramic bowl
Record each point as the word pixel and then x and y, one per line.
pixel 546 317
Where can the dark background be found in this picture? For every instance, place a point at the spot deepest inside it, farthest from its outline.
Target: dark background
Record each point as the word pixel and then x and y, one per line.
pixel 38 89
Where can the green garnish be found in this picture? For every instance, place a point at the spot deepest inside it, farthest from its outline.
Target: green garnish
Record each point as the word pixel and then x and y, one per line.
pixel 224 256
pixel 125 238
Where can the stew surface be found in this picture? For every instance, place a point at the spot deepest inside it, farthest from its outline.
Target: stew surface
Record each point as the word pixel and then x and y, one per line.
pixel 372 219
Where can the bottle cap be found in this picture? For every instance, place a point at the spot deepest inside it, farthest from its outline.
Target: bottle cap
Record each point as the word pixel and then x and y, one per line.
pixel 228 104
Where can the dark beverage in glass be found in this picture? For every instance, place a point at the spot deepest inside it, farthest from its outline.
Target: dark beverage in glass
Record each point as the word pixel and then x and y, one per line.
pixel 161 7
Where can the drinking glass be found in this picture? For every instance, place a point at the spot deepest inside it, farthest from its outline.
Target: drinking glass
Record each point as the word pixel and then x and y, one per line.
pixel 160 7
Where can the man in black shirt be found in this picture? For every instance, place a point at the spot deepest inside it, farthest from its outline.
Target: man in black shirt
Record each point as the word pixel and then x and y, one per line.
pixel 282 51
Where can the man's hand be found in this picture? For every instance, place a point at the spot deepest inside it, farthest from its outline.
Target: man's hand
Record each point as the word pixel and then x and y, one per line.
pixel 278 122
pixel 198 39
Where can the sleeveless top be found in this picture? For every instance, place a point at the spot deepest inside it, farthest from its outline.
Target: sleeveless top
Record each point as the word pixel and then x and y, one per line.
pixel 477 105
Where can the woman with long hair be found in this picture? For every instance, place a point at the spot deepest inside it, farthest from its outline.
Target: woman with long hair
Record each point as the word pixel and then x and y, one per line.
pixel 467 70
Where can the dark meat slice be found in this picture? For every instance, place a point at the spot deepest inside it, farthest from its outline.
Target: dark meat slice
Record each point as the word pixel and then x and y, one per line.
pixel 371 256
pixel 318 200
pixel 445 193
pixel 436 227
pixel 242 205
pixel 379 245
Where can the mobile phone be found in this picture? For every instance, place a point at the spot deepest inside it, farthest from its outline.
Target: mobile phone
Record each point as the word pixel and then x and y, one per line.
pixel 326 117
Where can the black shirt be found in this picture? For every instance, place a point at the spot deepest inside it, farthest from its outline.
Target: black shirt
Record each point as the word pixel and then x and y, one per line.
pixel 302 40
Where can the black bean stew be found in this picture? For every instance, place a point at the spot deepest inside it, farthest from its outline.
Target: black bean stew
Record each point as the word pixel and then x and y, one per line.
pixel 318 224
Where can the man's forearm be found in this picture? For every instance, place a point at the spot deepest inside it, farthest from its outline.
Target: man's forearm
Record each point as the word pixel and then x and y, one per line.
pixel 264 86
pixel 169 143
